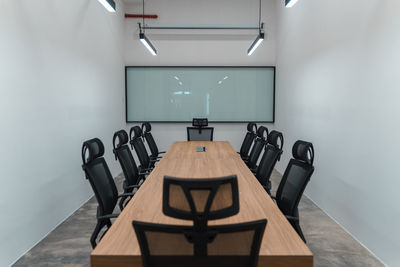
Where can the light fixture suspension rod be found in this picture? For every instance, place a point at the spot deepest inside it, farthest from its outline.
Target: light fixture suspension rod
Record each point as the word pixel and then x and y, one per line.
pixel 199 28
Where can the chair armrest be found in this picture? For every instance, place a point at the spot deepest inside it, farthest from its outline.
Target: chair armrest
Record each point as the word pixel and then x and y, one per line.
pixel 291 218
pixel 162 152
pixel 148 170
pixel 108 216
pixel 133 186
pixel 253 170
pixel 126 195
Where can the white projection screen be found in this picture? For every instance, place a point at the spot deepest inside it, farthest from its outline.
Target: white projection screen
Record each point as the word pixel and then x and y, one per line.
pixel 179 94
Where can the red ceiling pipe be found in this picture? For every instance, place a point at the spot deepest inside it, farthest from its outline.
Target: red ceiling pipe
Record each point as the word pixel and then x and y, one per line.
pixel 140 16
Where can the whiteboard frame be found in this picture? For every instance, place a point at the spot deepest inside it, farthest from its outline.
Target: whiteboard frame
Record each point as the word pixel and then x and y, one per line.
pixel 233 67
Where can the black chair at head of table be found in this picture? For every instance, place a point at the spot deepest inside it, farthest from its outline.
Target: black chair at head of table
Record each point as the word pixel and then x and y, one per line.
pixel 136 141
pixel 248 140
pixel 294 181
pixel 272 154
pixel 148 136
pixel 200 200
pixel 259 143
pixel 124 156
pixel 200 131
pixel 103 185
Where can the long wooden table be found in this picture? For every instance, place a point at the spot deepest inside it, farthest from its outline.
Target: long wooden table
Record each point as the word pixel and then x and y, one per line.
pixel 281 246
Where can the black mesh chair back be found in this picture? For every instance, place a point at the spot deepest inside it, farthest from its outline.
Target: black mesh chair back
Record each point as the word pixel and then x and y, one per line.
pixel 125 158
pixel 200 200
pixel 259 143
pixel 272 153
pixel 128 164
pixel 235 245
pixel 135 136
pixel 200 134
pixel 248 140
pixel 99 175
pixel 294 181
pixel 146 131
pixel 101 181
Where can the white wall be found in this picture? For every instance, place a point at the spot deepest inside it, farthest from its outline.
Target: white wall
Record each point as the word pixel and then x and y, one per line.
pixel 338 87
pixel 201 48
pixel 61 80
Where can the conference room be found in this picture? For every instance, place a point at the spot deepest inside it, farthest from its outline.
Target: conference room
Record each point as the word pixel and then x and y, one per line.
pixel 164 133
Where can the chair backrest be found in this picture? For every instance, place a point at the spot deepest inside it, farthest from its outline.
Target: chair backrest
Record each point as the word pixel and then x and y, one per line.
pixel 99 176
pixel 248 139
pixel 295 178
pixel 200 200
pixel 200 134
pixel 260 141
pixel 236 245
pixel 125 158
pixel 135 137
pixel 146 131
pixel 272 153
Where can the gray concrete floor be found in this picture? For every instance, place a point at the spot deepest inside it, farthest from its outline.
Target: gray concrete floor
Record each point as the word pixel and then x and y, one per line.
pixel 68 244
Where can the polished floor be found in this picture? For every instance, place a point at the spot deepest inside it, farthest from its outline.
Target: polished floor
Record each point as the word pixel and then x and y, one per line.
pixel 68 244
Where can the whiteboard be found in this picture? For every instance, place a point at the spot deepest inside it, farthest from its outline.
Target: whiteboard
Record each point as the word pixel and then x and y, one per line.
pixel 179 94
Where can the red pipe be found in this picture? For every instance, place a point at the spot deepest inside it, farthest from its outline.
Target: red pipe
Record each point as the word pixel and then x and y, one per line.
pixel 135 16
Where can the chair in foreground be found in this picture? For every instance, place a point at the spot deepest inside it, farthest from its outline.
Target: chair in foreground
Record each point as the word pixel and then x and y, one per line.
pixel 200 200
pixel 272 153
pixel 248 140
pixel 146 131
pixel 135 136
pixel 103 185
pixel 259 143
pixel 294 181
pixel 200 131
pixel 124 156
pixel 236 245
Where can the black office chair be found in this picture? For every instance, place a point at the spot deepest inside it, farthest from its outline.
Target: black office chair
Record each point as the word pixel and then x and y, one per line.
pixel 272 153
pixel 200 200
pixel 259 143
pixel 235 245
pixel 248 140
pixel 200 131
pixel 135 137
pixel 146 131
pixel 294 181
pixel 124 156
pixel 103 185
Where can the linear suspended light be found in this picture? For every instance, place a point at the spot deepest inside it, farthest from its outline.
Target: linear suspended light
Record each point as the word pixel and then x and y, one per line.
pixel 256 43
pixel 290 3
pixel 108 4
pixel 147 44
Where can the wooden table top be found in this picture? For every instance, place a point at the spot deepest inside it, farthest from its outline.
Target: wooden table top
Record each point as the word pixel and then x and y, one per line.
pixel 281 246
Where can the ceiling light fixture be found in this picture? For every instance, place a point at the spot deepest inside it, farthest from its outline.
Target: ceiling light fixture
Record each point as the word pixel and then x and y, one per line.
pixel 147 44
pixel 143 38
pixel 290 3
pixel 108 4
pixel 256 43
pixel 260 36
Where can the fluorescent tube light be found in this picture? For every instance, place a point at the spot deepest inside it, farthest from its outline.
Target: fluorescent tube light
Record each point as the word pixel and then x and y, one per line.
pixel 147 44
pixel 108 4
pixel 290 3
pixel 255 44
